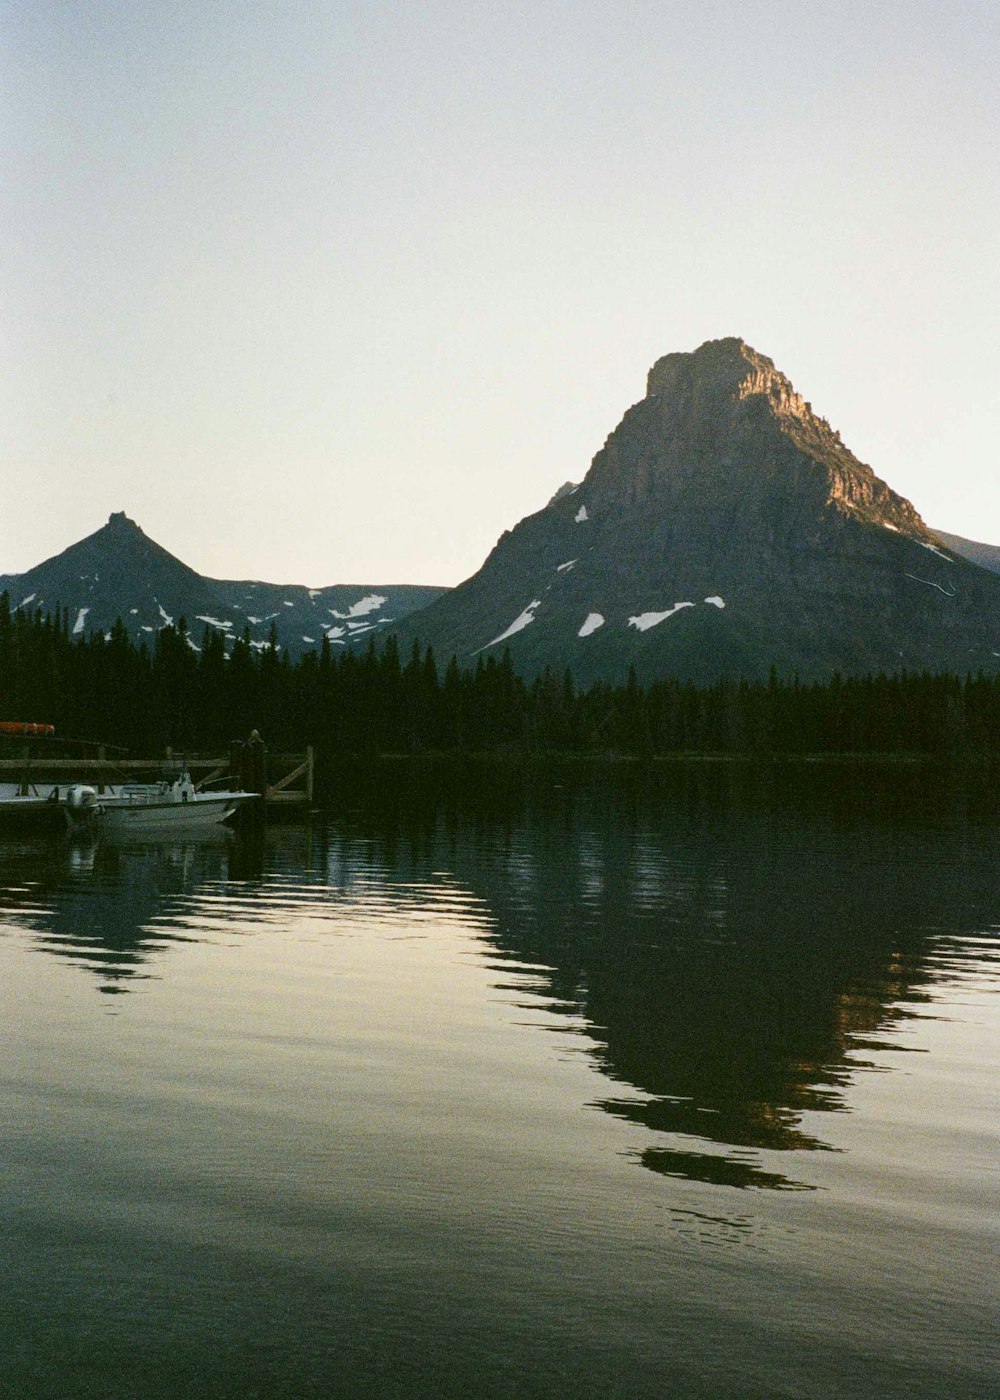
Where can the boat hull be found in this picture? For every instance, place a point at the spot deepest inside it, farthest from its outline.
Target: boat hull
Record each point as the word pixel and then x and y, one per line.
pixel 167 816
pixel 151 807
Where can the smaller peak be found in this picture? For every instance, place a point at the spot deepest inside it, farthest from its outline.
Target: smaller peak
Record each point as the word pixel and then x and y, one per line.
pixel 122 527
pixel 566 489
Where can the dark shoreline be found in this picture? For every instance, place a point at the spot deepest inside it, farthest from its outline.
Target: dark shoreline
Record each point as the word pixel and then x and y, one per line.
pixel 856 789
pixel 539 759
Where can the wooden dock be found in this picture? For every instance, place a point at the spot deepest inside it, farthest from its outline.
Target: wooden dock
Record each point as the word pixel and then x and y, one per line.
pixel 284 780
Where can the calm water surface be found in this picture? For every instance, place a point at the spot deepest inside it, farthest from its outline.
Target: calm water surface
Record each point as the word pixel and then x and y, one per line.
pixel 601 1088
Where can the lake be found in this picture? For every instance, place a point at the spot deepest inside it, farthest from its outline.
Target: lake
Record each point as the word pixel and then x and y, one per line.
pixel 581 1084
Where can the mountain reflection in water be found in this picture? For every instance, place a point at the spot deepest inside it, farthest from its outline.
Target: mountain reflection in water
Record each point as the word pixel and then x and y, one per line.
pixel 727 961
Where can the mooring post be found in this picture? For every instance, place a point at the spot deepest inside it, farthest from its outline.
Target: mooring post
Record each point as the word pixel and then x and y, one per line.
pixel 309 773
pixel 26 755
pixel 257 761
pixel 236 765
pixel 100 758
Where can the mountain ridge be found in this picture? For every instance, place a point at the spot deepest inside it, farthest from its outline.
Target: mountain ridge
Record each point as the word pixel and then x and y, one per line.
pixel 118 571
pixel 987 556
pixel 722 529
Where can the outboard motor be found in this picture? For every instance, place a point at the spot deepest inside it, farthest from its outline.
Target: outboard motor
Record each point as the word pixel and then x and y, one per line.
pixel 81 802
pixel 80 796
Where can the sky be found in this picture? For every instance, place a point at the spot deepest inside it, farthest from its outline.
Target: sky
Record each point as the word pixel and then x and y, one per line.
pixel 325 292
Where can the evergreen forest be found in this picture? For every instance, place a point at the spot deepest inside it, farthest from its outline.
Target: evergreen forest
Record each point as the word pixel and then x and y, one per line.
pixel 188 694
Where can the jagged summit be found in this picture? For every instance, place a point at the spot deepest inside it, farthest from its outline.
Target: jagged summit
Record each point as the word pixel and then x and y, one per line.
pixel 723 421
pixel 728 364
pixel 723 528
pixel 723 373
pixel 721 362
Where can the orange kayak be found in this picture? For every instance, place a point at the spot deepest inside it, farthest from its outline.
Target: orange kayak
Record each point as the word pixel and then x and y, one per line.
pixel 34 731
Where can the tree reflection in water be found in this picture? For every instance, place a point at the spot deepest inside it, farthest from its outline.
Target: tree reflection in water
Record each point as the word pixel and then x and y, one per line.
pixel 109 905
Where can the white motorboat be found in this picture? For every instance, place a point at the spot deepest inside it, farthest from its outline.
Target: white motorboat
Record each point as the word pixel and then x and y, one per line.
pixel 170 805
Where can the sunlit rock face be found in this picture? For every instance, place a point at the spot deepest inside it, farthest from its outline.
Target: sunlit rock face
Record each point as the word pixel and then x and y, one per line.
pixel 723 436
pixel 722 529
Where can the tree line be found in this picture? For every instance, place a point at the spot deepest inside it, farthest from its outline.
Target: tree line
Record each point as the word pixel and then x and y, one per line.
pixel 193 695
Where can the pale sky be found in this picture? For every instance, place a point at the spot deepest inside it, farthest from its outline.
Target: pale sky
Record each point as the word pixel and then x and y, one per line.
pixel 328 292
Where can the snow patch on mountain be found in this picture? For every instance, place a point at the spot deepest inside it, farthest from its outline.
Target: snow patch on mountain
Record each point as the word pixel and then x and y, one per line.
pixel 594 620
pixel 644 621
pixel 213 621
pixel 939 552
pixel 370 603
pixel 519 623
pixel 80 619
pixel 716 601
pixel 561 568
pixel 581 515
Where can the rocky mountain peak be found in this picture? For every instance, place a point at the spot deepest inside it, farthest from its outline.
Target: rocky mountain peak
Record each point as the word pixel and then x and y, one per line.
pixel 723 527
pixel 724 370
pixel 722 432
pixel 723 361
